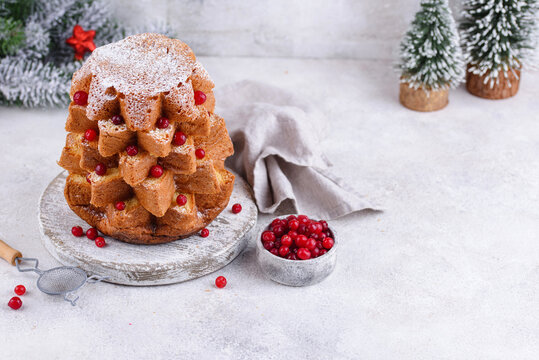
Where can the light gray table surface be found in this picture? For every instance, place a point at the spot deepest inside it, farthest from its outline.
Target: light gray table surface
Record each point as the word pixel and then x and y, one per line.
pixel 449 270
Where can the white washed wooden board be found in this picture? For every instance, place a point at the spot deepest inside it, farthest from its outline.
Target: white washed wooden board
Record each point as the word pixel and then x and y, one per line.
pixel 142 265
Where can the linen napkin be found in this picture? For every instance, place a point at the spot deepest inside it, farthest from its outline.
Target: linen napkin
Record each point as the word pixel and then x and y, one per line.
pixel 277 151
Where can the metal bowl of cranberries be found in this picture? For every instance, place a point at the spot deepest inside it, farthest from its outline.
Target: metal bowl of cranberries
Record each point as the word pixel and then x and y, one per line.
pixel 296 250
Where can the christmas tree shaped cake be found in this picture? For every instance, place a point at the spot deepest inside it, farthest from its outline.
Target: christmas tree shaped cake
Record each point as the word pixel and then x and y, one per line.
pixel 144 150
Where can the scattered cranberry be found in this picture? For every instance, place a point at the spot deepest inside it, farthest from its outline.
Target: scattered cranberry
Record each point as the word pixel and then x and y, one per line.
pixel 179 138
pixel 90 134
pixel 328 243
pixel 268 236
pixel 80 98
pixel 156 171
pixel 117 119
pixel 236 208
pixel 286 240
pixel 132 150
pixel 200 153
pixel 77 231
pixel 181 200
pixel 204 232
pixel 200 97
pixel 100 169
pixel 304 253
pixel 91 233
pixel 220 282
pixel 163 123
pixel 283 251
pixel 15 303
pixel 88 179
pixel 20 290
pixel 100 242
pixel 120 205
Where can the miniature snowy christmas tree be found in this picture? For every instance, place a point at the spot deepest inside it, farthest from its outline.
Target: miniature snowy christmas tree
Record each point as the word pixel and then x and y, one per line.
pixel 431 59
pixel 497 39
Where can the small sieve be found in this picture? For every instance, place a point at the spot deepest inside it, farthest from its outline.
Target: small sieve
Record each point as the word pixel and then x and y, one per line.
pixel 63 280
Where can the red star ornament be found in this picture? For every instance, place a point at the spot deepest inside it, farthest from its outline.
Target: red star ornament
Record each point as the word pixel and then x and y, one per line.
pixel 81 41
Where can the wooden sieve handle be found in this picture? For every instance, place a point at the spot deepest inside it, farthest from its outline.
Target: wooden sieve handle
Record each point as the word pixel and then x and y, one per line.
pixel 8 253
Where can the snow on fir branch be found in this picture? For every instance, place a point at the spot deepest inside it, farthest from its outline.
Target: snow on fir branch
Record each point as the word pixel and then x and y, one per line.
pixel 36 64
pixel 498 36
pixel 430 53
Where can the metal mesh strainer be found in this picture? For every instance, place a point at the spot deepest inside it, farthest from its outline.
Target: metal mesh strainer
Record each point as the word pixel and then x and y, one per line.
pixel 63 280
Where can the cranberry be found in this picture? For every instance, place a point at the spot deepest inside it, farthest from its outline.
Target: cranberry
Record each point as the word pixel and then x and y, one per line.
pixel 132 150
pixel 274 251
pixel 90 134
pixel 324 225
pixel 76 231
pixel 100 242
pixel 278 230
pixel 286 240
pixel 204 233
pixel 322 252
pixel 200 97
pixel 200 153
pixel 276 222
pixel 163 123
pixel 322 236
pixel 236 208
pixel 293 235
pixel 304 254
pixel 268 245
pixel 311 244
pixel 315 236
pixel 181 200
pixel 301 241
pixel 302 229
pixel 293 224
pixel 117 120
pixel 292 256
pixel 179 138
pixel 314 228
pixel 319 244
pixel 15 303
pixel 100 169
pixel 91 233
pixel 20 290
pixel 88 179
pixel 268 236
pixel 328 243
pixel 315 252
pixel 120 205
pixel 304 219
pixel 277 243
pixel 220 282
pixel 80 98
pixel 291 217
pixel 283 251
pixel 156 171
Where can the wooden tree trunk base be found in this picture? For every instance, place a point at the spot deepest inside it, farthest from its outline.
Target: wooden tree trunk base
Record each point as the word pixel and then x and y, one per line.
pixel 420 100
pixel 505 88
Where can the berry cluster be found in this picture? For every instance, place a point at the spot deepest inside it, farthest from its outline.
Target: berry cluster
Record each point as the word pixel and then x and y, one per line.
pixel 92 233
pixel 298 238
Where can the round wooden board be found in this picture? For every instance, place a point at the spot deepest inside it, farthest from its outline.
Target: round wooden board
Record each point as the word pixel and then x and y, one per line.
pixel 142 265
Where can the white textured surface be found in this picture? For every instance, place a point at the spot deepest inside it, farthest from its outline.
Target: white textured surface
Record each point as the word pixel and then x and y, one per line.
pixel 297 28
pixel 449 270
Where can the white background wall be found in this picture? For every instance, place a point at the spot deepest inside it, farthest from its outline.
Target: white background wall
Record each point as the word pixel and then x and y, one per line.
pixel 280 28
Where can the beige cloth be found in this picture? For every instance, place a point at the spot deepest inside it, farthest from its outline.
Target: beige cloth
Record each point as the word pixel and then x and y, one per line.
pixel 277 152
